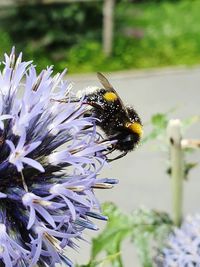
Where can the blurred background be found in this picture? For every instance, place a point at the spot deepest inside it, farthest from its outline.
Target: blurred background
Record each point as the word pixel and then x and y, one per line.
pixel 98 35
pixel 150 52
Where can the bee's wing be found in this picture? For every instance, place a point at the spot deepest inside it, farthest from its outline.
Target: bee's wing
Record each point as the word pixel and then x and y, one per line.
pixel 103 80
pixel 106 84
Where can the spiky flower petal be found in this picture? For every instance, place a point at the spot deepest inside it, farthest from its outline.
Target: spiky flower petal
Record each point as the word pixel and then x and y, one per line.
pixel 50 157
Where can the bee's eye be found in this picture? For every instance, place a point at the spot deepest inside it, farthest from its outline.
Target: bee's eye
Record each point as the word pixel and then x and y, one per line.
pixel 127 139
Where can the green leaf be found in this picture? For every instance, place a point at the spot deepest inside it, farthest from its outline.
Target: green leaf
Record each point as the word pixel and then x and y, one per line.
pixel 144 226
pixel 103 262
pixel 119 226
pixel 159 123
pixel 142 244
pixel 159 120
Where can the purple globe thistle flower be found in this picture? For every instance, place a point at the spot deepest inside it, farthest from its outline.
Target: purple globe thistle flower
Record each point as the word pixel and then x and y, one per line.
pixel 183 245
pixel 50 158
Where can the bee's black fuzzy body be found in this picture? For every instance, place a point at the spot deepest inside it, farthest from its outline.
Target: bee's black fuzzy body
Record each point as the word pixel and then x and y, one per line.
pixel 112 118
pixel 118 122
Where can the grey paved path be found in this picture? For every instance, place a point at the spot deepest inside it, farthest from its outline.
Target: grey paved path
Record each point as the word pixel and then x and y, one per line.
pixel 142 173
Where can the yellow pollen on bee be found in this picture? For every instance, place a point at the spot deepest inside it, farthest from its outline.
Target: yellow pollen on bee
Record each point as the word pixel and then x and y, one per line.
pixel 135 127
pixel 110 96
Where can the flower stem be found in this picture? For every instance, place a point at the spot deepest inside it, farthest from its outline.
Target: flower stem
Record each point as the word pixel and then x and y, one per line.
pixel 177 173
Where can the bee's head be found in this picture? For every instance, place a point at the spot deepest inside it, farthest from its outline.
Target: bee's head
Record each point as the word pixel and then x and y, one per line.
pixel 126 140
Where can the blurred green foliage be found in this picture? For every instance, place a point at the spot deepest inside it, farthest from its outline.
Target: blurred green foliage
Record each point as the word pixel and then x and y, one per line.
pixel 159 123
pixel 147 34
pixel 147 229
pixel 158 132
pixel 45 33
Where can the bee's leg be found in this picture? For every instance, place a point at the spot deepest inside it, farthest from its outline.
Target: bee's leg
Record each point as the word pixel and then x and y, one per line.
pixel 75 100
pixel 110 150
pixel 118 157
pixel 66 100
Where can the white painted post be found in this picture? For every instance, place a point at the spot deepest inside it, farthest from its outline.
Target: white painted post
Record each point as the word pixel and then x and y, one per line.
pixel 177 167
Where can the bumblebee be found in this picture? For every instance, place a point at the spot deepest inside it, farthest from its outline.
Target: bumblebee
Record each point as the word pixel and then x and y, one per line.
pixel 119 122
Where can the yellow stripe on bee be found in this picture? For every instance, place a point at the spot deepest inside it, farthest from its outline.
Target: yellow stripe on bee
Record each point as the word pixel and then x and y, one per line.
pixel 110 96
pixel 135 127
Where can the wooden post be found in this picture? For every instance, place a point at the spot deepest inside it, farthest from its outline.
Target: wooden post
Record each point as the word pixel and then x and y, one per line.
pixel 177 167
pixel 108 22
